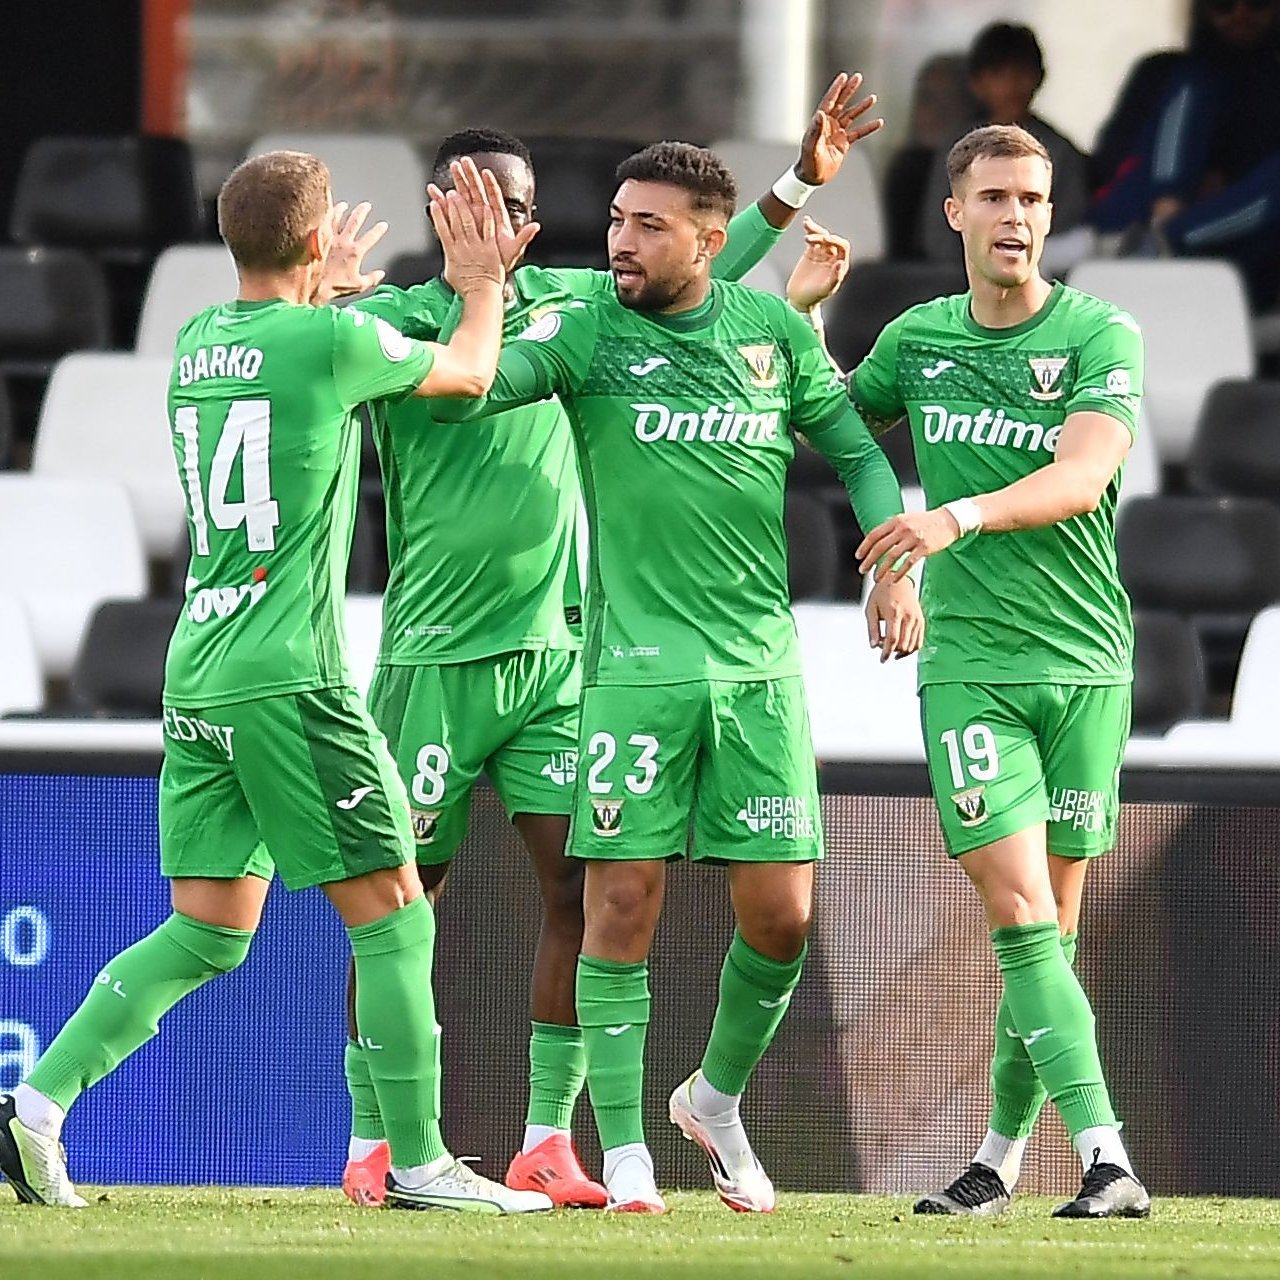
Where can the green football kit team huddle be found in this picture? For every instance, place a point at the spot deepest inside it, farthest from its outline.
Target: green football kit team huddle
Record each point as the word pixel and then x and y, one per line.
pixel 684 663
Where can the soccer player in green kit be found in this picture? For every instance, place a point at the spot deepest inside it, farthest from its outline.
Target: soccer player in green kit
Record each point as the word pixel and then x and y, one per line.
pixel 270 758
pixel 684 393
pixel 480 663
pixel 1023 401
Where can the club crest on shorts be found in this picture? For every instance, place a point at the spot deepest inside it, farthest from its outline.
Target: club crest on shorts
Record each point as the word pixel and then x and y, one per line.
pixel 606 817
pixel 424 822
pixel 1046 371
pixel 971 805
pixel 759 359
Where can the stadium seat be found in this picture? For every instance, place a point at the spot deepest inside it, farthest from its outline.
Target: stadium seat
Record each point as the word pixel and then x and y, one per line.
pixel 575 183
pixel 1200 555
pixel 6 425
pixel 859 708
pixel 52 301
pixel 119 670
pixel 118 198
pixel 66 545
pixel 381 168
pixel 1169 678
pixel 21 684
pixel 408 269
pixel 1141 475
pixel 875 293
pixel 1236 449
pixel 813 559
pixel 364 635
pixel 184 279
pixel 103 417
pixel 1194 318
pixel 849 206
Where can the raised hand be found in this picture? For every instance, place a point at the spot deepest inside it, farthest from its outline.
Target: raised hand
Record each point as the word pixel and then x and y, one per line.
pixel 834 129
pixel 481 191
pixel 471 257
pixel 343 272
pixel 821 269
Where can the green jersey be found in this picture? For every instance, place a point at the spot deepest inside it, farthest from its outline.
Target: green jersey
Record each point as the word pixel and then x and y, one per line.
pixel 986 407
pixel 481 523
pixel 262 403
pixel 683 428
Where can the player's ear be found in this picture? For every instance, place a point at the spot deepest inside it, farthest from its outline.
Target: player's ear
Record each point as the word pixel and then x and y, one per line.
pixel 951 207
pixel 710 242
pixel 316 246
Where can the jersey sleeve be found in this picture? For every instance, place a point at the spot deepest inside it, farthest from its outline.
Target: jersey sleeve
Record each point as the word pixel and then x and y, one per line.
pixel 551 357
pixel 751 236
pixel 847 443
pixel 1109 379
pixel 372 360
pixel 873 385
pixel 817 394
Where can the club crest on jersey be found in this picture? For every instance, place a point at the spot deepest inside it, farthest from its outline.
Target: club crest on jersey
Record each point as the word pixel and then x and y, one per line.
pixel 1046 371
pixel 424 822
pixel 606 817
pixel 971 805
pixel 759 360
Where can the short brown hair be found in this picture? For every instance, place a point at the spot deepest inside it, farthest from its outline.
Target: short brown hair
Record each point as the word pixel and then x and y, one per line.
pixel 993 142
pixel 267 207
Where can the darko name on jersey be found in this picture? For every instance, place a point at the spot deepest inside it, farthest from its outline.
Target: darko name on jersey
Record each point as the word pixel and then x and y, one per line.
pixel 219 362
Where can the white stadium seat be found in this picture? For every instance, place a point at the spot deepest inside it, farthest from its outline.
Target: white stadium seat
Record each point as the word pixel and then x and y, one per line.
pixel 186 278
pixel 65 546
pixel 381 168
pixel 849 206
pixel 21 684
pixel 364 634
pixel 859 708
pixel 104 418
pixel 1195 321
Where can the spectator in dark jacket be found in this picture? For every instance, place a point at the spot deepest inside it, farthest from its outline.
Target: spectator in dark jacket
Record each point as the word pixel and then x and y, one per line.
pixel 1204 177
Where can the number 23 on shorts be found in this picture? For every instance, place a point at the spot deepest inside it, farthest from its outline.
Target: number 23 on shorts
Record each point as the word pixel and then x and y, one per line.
pixel 640 749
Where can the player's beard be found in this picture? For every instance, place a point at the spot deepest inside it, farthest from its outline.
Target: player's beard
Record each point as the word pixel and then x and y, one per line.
pixel 651 294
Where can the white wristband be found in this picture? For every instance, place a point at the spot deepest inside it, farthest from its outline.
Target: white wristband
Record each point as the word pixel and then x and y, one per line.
pixel 792 190
pixel 814 317
pixel 967 514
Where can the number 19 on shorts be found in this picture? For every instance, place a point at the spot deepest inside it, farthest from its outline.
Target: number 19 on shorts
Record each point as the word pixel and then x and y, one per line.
pixel 971 755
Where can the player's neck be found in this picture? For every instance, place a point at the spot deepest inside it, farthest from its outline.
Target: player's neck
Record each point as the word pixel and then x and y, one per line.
pixel 690 298
pixel 293 286
pixel 994 307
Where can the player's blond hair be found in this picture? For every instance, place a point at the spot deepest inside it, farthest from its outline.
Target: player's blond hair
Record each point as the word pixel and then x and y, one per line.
pixel 269 205
pixel 992 142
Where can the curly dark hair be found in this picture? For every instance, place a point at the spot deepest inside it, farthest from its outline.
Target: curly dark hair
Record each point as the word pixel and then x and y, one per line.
pixel 696 170
pixel 474 142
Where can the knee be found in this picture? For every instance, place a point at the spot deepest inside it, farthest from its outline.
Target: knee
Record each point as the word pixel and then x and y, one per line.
pixel 562 897
pixel 1018 904
pixel 622 903
pixel 780 935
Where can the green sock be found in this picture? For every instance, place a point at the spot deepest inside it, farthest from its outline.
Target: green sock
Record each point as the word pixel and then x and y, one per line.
pixel 366 1119
pixel 129 997
pixel 396 1015
pixel 557 1068
pixel 754 994
pixel 613 1008
pixel 1016 1092
pixel 1051 1014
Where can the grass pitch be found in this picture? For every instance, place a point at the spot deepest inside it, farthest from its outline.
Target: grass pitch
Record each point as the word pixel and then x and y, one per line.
pixel 152 1233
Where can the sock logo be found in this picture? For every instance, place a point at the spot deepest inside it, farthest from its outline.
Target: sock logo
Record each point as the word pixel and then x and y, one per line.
pixel 617 1031
pixel 104 979
pixel 1035 1035
pixel 366 1043
pixel 773 1004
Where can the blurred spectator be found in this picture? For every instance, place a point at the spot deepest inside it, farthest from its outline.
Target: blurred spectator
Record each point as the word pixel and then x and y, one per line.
pixel 1204 175
pixel 940 103
pixel 1006 69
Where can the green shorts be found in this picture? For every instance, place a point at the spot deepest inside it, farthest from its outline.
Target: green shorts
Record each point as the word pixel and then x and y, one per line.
pixel 513 716
pixel 301 782
pixel 1005 757
pixel 729 763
